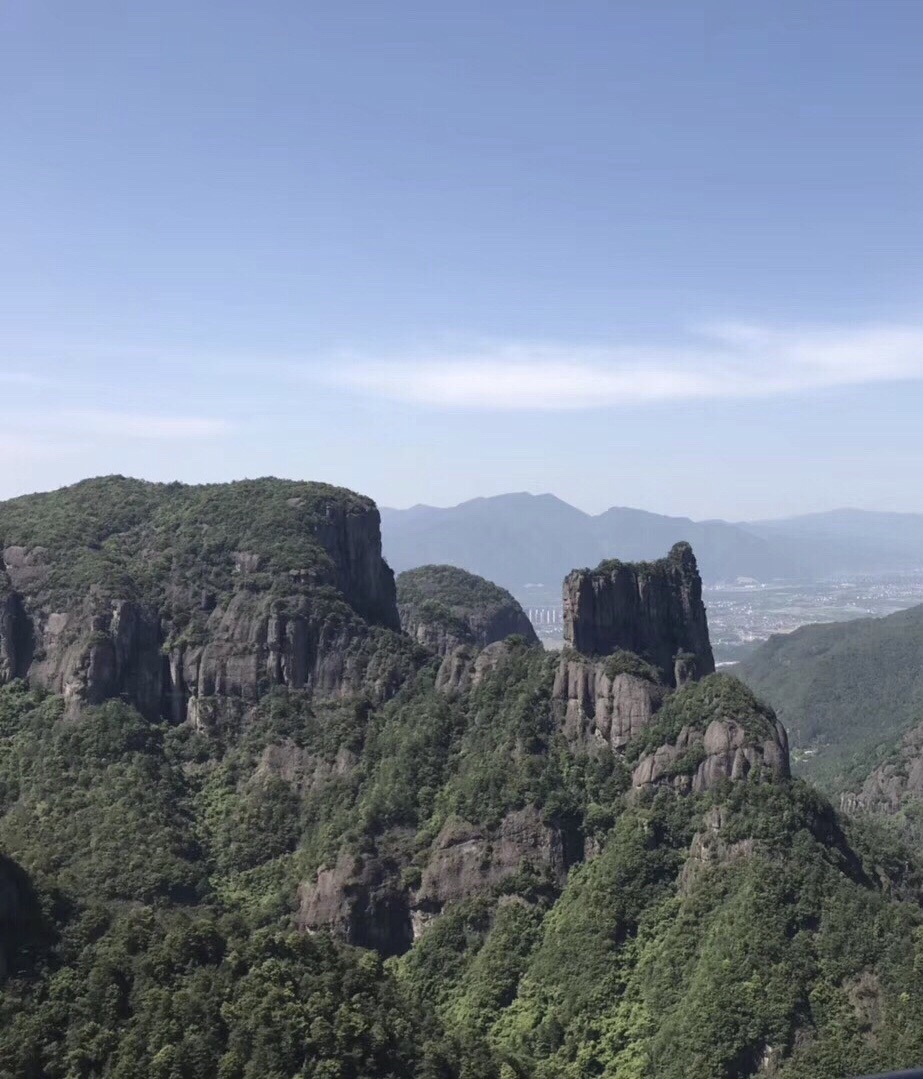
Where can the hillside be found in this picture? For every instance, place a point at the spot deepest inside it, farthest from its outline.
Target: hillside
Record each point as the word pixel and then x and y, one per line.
pixel 572 866
pixel 516 539
pixel 443 607
pixel 845 691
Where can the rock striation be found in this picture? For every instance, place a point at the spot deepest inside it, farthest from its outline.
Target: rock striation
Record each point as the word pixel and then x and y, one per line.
pixel 712 732
pixel 645 694
pixel 652 609
pixel 367 900
pixel 188 600
pixel 604 703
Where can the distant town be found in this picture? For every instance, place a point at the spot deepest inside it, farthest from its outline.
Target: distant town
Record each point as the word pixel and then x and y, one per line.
pixel 745 612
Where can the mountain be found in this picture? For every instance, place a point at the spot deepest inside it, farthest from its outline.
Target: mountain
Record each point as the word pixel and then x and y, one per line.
pixel 845 690
pixel 249 827
pixel 187 599
pixel 517 539
pixel 870 542
pixel 520 538
pixel 444 608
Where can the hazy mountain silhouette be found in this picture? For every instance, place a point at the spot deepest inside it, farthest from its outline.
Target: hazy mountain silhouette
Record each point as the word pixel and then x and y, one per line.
pixel 520 538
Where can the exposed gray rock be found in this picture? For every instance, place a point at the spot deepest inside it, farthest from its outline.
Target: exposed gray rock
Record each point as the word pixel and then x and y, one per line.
pixel 698 761
pixel 467 860
pixel 653 609
pixel 600 708
pixel 329 629
pixel 894 783
pixel 464 668
pixel 361 900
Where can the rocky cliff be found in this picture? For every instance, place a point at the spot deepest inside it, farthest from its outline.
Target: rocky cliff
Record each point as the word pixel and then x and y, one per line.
pixel 652 609
pixel 444 608
pixel 709 732
pixel 182 599
pixel 896 784
pixel 518 710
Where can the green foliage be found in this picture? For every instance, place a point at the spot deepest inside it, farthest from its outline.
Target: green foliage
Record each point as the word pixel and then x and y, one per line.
pixel 464 605
pixel 844 691
pixel 622 662
pixel 718 696
pixel 139 540
pixel 158 967
pixel 451 588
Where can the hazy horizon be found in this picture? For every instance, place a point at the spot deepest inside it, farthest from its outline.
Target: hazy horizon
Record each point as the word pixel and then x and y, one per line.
pixel 593 512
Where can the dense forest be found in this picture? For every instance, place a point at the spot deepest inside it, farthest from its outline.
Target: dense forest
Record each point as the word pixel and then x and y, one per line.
pixel 846 691
pixel 251 829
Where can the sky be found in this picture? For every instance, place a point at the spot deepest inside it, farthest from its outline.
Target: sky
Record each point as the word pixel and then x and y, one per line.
pixel 659 255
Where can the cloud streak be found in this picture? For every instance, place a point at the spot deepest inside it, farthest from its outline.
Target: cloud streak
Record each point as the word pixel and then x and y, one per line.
pixel 731 360
pixel 141 425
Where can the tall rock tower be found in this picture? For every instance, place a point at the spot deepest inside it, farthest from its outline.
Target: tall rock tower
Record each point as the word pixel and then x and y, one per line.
pixel 654 609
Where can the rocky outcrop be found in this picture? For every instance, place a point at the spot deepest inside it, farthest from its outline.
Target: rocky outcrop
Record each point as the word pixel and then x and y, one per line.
pixel 190 627
pixel 602 706
pixel 465 668
pixel 361 900
pixel 893 784
pixel 368 900
pixel 20 914
pixel 470 860
pixel 15 631
pixel 444 608
pixel 653 609
pixel 698 761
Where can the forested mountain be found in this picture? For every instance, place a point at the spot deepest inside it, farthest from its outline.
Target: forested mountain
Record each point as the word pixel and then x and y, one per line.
pixel 253 830
pixel 520 538
pixel 443 607
pixel 845 691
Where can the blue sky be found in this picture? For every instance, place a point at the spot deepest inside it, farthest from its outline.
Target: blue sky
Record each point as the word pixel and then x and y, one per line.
pixel 664 255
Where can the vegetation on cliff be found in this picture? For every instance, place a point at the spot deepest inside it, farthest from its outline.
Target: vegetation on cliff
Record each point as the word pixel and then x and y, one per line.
pixel 444 604
pixel 844 691
pixel 542 917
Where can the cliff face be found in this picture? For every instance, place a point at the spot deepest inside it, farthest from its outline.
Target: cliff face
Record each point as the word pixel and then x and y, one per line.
pixel 603 704
pixel 615 713
pixel 653 609
pixel 444 608
pixel 367 901
pixel 895 784
pixel 181 599
pixel 709 732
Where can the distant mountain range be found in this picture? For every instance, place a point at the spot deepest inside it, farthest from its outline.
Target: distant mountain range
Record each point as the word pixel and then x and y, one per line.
pixel 517 539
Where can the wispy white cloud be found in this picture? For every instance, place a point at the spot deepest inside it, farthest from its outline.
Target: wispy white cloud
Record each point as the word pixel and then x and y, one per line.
pixel 141 425
pixel 731 360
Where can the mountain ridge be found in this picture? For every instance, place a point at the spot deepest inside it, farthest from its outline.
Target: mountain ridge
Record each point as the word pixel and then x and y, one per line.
pixel 550 536
pixel 577 864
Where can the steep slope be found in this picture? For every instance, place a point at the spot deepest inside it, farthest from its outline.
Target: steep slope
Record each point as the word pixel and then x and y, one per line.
pixel 184 599
pixel 653 609
pixel 443 608
pixel 578 868
pixel 843 690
